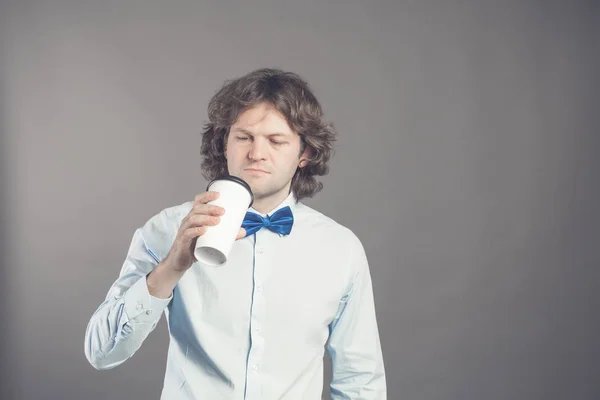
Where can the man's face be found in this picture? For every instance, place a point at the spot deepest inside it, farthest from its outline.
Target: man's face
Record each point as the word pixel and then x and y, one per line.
pixel 264 151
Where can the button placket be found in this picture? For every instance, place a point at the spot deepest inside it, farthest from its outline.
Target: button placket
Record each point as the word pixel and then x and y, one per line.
pixel 256 318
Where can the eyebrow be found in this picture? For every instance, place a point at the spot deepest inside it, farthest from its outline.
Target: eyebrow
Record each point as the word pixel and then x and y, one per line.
pixel 246 132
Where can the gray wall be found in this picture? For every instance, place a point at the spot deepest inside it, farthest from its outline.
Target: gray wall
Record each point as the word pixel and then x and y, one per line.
pixel 467 164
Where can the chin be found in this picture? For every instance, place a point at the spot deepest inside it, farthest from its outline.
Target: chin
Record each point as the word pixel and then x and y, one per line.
pixel 261 190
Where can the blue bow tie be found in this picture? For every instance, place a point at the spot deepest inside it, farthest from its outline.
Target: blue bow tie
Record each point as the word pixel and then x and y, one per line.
pixel 280 222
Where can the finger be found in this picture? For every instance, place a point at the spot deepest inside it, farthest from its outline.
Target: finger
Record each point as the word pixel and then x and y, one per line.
pixel 205 197
pixel 241 234
pixel 201 220
pixel 207 209
pixel 195 231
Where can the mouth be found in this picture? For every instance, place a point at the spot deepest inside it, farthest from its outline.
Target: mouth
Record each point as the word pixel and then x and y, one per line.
pixel 256 170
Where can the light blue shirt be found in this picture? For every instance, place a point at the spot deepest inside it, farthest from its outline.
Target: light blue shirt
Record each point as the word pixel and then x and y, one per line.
pixel 256 327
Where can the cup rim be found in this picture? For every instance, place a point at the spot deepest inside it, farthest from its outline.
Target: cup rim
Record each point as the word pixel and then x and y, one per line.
pixel 236 180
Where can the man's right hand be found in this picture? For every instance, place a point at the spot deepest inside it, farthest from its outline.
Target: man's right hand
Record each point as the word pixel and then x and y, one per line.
pixel 202 215
pixel 163 279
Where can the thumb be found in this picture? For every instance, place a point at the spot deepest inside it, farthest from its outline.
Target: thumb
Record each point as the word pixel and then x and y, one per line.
pixel 241 234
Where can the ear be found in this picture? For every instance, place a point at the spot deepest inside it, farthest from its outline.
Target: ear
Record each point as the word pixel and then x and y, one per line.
pixel 305 158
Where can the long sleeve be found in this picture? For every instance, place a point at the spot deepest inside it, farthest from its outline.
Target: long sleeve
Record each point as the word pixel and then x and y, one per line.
pixel 129 313
pixel 354 345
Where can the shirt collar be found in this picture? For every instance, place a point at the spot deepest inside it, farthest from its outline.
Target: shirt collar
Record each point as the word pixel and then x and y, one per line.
pixel 289 201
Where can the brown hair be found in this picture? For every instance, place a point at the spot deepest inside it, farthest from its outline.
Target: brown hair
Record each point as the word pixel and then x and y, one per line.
pixel 290 95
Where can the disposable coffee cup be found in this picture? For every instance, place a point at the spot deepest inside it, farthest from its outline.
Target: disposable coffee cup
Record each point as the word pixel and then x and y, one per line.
pixel 235 196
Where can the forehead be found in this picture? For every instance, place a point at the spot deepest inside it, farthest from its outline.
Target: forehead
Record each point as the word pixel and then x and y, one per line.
pixel 262 119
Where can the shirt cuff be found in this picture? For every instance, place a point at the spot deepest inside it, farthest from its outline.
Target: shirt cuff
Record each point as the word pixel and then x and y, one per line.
pixel 141 306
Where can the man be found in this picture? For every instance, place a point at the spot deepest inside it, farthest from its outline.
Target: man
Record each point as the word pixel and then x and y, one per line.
pixel 256 327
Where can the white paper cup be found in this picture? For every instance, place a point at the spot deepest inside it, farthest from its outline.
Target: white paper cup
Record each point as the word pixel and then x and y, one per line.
pixel 235 196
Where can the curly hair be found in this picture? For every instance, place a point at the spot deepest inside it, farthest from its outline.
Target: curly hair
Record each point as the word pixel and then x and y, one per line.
pixel 290 95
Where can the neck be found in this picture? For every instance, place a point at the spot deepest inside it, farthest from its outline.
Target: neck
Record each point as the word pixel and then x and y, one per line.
pixel 267 204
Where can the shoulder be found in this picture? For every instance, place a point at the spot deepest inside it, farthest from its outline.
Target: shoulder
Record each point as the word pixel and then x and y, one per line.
pixel 325 227
pixel 340 249
pixel 170 216
pixel 178 212
pixel 158 232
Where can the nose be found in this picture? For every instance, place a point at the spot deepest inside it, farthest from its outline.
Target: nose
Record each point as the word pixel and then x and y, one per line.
pixel 257 151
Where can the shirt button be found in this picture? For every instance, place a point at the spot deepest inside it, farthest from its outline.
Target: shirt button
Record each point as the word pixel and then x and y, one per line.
pixel 255 367
pixel 148 312
pixel 259 288
pixel 139 306
pixel 257 328
pixel 261 251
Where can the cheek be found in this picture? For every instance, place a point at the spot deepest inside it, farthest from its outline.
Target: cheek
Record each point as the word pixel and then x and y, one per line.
pixel 229 145
pixel 289 163
pixel 232 153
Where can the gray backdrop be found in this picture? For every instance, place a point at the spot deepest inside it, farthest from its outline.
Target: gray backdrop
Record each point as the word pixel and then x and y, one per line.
pixel 466 163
